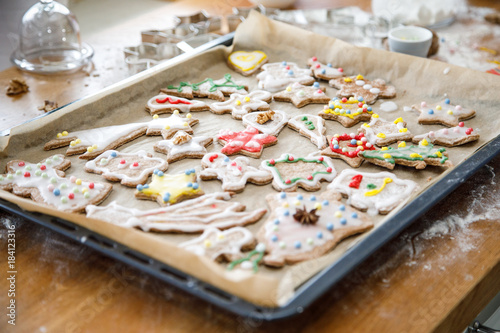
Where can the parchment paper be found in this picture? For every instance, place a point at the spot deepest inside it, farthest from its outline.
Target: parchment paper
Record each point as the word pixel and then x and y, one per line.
pixel 415 79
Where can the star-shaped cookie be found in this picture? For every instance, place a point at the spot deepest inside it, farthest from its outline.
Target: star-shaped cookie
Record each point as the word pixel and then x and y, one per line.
pixel 277 76
pixel 248 142
pixel 162 103
pixel 183 145
pixel 301 95
pixel 234 174
pixel 443 113
pixel 347 147
pixel 239 105
pixel 346 111
pixel 358 86
pixel 312 127
pixel 268 122
pixel 325 72
pixel 382 133
pixel 449 137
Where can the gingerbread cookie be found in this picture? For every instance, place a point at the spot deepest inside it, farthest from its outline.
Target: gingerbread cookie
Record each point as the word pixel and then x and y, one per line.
pixel 213 89
pixel 93 142
pixel 358 86
pixel 347 147
pixel 382 133
pixel 248 142
pixel 268 122
pixel 443 113
pixel 195 215
pixel 279 75
pixel 128 169
pixel 233 174
pixel 449 137
pixel 413 156
pixel 324 72
pixel 220 245
pixel 45 183
pixel 290 172
pixel 170 189
pixel 168 104
pixel 304 227
pixel 183 145
pixel 239 105
pixel 301 95
pixel 348 112
pixel 312 127
pixel 245 62
pixel 376 192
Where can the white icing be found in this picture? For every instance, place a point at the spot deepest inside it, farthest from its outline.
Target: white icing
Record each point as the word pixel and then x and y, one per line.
pixel 155 106
pixel 324 70
pixel 388 106
pixel 407 108
pixel 367 86
pixel 315 135
pixel 456 133
pixel 393 130
pixel 257 101
pixel 360 82
pixel 193 145
pixel 272 127
pixel 276 77
pixel 458 112
pixel 375 90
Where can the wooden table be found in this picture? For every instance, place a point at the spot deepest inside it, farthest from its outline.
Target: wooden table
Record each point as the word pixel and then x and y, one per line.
pixel 434 277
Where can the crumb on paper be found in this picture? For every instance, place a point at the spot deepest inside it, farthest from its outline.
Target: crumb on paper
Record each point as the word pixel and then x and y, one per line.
pixel 96 75
pixel 48 106
pixel 68 81
pixel 16 87
pixel 446 70
pixel 429 179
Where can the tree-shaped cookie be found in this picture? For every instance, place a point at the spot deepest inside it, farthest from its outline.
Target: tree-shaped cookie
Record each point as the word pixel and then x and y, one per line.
pixel 210 88
pixel 268 122
pixel 449 137
pixel 45 183
pixel 378 192
pixel 304 227
pixel 443 113
pixel 347 111
pixel 325 72
pixel 279 75
pixel 312 127
pixel 245 62
pixel 162 103
pixel 413 156
pixel 183 145
pixel 170 189
pixel 220 245
pixel 382 133
pixel 347 147
pixel 239 105
pixel 290 172
pixel 358 86
pixel 130 169
pixel 93 142
pixel 195 215
pixel 248 142
pixel 300 95
pixel 234 174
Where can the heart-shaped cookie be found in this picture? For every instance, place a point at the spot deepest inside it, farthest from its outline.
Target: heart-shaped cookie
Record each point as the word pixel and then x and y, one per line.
pixel 245 62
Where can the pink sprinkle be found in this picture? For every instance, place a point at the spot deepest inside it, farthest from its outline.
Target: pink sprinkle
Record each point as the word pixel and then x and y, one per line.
pixel 314 59
pixel 318 65
pixel 309 177
pixel 320 158
pixel 329 170
pixel 72 179
pixel 290 158
pixel 50 187
pixel 458 107
pixel 122 162
pixel 445 131
pixel 456 130
pixel 431 133
pixel 461 124
pixel 423 104
pixel 136 164
pixel 340 69
pixel 468 131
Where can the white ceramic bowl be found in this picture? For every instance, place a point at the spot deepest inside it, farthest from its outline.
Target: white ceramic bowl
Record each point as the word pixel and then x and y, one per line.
pixel 410 40
pixel 274 3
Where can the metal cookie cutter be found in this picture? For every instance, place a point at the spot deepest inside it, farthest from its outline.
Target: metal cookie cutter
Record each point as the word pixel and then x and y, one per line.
pixel 147 55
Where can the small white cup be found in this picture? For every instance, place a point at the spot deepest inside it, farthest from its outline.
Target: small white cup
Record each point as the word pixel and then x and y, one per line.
pixel 410 40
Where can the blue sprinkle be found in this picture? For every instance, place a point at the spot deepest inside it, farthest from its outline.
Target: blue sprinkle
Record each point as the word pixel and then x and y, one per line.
pixel 329 226
pixel 146 186
pixel 195 186
pixel 325 203
pixel 156 171
pixel 336 147
pixel 319 235
pixel 56 192
pixel 187 172
pixel 353 141
pixel 342 208
pixel 348 112
pixel 226 159
pixel 114 154
pixel 335 99
pixel 297 245
pixel 316 85
pixel 360 99
pixel 323 71
pixel 274 238
pixel 312 198
pixel 189 184
pixel 286 213
pixel 300 197
pixel 447 101
pixel 284 63
pixel 431 111
pixel 443 40
pixel 329 65
pixel 166 197
pixel 282 195
pixel 160 174
pixel 369 108
pixel 354 215
pixel 343 221
pixel 192 170
pixel 139 187
pixel 276 221
pixel 290 72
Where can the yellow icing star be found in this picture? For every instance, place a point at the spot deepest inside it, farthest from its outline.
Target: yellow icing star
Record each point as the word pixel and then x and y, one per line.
pixel 168 189
pixel 402 144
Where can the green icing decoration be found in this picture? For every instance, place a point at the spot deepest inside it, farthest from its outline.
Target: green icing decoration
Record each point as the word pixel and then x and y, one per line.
pixel 213 86
pixel 309 123
pixel 255 262
pixel 371 186
pixel 295 160
pixel 404 153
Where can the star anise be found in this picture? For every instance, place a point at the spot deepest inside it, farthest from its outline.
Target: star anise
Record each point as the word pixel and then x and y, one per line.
pixel 304 217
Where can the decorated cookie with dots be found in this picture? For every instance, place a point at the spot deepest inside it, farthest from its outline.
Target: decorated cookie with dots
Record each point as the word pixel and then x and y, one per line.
pixel 162 103
pixel 45 183
pixel 268 122
pixel 417 157
pixel 377 193
pixel 347 111
pixel 93 142
pixel 290 172
pixel 358 86
pixel 449 137
pixel 300 95
pixel 234 174
pixel 324 72
pixel 170 189
pixel 347 147
pixel 279 75
pixel 312 127
pixel 245 62
pixel 130 169
pixel 382 133
pixel 239 105
pixel 220 245
pixel 303 227
pixel 209 211
pixel 182 145
pixel 209 88
pixel 443 113
pixel 248 142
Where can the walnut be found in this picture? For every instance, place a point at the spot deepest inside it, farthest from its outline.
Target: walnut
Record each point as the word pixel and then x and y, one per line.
pixel 304 217
pixel 16 87
pixel 264 117
pixel 48 106
pixel 181 138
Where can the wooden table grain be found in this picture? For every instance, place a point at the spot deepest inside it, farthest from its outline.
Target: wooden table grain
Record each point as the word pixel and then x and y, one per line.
pixel 434 277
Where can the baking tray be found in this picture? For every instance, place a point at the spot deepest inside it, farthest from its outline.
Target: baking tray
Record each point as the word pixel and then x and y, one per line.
pixel 309 291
